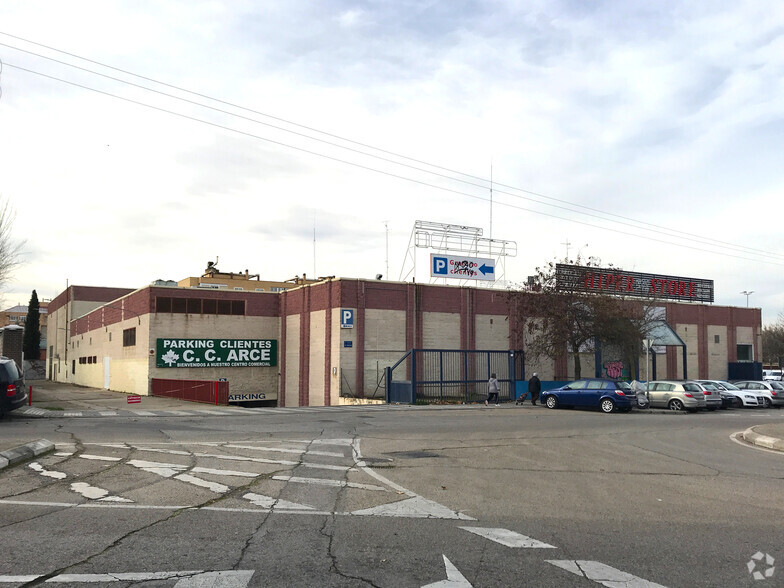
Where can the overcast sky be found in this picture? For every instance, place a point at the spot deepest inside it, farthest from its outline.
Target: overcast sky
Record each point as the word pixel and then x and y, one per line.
pixel 308 137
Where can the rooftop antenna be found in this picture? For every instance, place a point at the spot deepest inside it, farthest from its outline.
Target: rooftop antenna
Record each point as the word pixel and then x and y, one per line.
pixel 491 197
pixel 386 230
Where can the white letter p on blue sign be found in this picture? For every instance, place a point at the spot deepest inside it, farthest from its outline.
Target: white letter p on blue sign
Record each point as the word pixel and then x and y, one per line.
pixel 346 318
pixel 439 265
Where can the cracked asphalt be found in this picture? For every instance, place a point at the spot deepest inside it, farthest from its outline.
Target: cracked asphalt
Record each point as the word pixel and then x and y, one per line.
pixel 673 501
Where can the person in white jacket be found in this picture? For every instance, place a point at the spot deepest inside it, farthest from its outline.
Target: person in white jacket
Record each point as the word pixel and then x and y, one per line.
pixel 492 390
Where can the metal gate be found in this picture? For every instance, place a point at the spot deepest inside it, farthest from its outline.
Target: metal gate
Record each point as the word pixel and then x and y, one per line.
pixel 424 376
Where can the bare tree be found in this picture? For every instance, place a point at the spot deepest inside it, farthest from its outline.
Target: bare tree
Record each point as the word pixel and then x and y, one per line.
pixel 773 342
pixel 565 317
pixel 9 248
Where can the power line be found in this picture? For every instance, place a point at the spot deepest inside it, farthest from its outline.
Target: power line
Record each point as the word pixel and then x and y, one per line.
pixel 602 215
pixel 391 174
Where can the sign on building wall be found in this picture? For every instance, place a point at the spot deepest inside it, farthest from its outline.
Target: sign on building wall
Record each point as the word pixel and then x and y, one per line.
pixel 576 278
pixel 180 353
pixel 462 268
pixel 346 318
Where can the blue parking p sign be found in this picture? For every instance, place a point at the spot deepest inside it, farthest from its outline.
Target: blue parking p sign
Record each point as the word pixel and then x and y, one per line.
pixel 440 266
pixel 346 318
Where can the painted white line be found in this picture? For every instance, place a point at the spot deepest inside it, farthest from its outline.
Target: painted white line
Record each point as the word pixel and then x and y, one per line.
pixel 99 457
pixel 112 445
pixel 738 438
pixel 72 414
pixel 213 486
pixel 334 483
pixel 454 579
pixel 63 454
pixel 507 537
pixel 269 502
pixel 232 579
pixel 95 505
pixel 169 451
pixel 107 413
pixel 602 574
pixel 346 442
pixel 44 472
pixel 282 450
pixel 242 458
pixel 65 447
pixel 143 413
pixel 186 579
pixel 417 507
pixel 91 492
pixel 224 472
pixel 167 470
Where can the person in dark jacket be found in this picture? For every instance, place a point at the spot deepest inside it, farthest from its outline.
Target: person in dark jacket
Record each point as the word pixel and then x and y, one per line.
pixel 534 387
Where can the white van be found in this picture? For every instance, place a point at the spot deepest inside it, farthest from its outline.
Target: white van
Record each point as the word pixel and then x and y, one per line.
pixel 772 375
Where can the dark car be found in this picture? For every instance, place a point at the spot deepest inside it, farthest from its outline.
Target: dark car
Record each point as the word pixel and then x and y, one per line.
pixel 12 386
pixel 601 393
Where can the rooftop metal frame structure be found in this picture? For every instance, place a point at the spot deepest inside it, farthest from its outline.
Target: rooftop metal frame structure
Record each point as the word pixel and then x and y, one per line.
pixel 456 239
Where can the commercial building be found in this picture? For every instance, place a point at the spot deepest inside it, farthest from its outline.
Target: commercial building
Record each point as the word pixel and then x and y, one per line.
pixel 320 342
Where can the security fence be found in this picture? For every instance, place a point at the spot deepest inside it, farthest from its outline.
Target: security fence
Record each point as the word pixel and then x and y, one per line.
pixel 453 375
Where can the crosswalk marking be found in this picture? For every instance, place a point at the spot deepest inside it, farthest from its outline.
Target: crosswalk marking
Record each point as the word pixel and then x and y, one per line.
pixel 454 579
pixel 185 579
pixel 269 502
pixel 507 537
pixel 37 467
pixel 325 482
pixel 602 574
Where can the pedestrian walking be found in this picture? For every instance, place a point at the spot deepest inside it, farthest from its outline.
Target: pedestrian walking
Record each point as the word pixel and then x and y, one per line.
pixel 534 387
pixel 492 390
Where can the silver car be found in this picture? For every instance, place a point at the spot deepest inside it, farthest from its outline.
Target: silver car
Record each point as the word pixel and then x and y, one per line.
pixel 676 395
pixel 712 394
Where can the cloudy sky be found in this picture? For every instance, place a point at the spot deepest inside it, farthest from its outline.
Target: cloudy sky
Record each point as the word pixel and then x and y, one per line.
pixel 140 140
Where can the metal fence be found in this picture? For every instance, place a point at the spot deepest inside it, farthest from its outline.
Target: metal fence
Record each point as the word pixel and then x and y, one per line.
pixel 208 391
pixel 449 375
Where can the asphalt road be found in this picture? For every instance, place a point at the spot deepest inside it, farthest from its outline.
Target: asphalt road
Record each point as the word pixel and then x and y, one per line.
pixel 395 496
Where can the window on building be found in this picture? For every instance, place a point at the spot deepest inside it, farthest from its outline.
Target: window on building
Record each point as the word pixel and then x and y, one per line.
pixel 224 306
pixel 237 288
pixel 716 339
pixel 129 337
pixel 163 304
pixel 238 307
pixel 200 306
pixel 745 353
pixel 179 305
pixel 209 306
pixel 194 305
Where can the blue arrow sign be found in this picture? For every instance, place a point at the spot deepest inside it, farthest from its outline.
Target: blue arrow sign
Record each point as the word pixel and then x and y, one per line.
pixel 485 269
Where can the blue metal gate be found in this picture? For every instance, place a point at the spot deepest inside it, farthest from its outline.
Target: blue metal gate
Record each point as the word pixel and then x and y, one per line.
pixel 452 375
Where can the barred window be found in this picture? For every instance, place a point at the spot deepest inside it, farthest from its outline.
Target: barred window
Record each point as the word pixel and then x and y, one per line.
pixel 129 337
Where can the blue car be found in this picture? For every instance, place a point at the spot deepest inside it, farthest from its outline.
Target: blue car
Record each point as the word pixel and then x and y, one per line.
pixel 601 393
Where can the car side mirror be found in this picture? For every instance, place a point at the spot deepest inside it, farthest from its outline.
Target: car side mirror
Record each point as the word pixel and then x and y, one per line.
pixel 566 388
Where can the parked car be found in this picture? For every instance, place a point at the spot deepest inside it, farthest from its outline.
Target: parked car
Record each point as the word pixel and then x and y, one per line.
pixel 12 387
pixel 745 398
pixel 601 393
pixel 676 395
pixel 772 392
pixel 774 375
pixel 712 394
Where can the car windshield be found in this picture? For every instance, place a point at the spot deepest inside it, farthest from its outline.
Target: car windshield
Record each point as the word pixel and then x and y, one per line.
pixel 709 386
pixel 692 388
pixel 728 386
pixel 776 385
pixel 622 385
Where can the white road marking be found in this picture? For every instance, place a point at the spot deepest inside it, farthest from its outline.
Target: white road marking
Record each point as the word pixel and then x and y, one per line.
pixel 269 502
pixel 224 472
pixel 187 578
pixel 72 414
pixel 323 482
pixel 282 450
pixel 416 507
pixel 214 486
pixel 44 472
pixel 63 454
pixel 99 457
pixel 454 579
pixel 107 413
pixel 507 537
pixel 602 574
pixel 95 493
pixel 112 445
pixel 167 470
pixel 143 413
pixel 169 451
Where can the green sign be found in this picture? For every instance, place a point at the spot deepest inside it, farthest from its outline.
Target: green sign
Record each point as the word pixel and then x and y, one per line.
pixel 179 353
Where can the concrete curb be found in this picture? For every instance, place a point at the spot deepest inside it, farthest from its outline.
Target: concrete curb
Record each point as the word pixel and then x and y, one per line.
pixel 763 440
pixel 25 452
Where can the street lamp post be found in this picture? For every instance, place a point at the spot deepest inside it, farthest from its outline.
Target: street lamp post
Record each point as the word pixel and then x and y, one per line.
pixel 747 293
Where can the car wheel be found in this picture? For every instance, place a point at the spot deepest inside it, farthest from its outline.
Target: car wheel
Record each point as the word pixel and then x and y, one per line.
pixel 607 405
pixel 551 402
pixel 711 409
pixel 675 404
pixel 768 402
